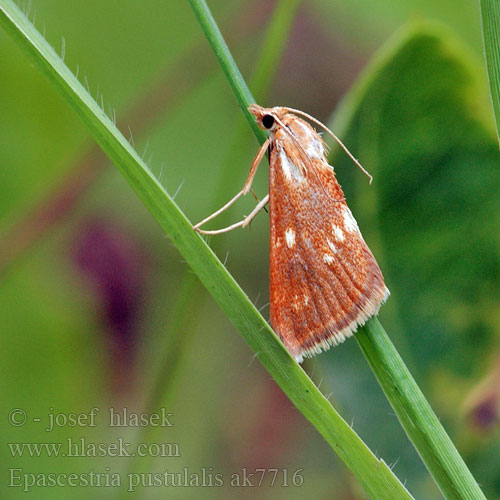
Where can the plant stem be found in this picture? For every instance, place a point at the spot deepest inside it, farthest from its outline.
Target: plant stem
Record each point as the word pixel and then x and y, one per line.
pixel 233 75
pixel 416 416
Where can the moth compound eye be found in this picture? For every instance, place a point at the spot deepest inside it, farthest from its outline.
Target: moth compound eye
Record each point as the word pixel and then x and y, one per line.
pixel 268 121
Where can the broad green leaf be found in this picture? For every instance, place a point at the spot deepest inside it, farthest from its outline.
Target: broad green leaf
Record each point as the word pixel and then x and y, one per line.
pixel 418 120
pixel 421 127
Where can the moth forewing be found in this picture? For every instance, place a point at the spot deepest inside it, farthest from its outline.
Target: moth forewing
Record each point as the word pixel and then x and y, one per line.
pixel 325 282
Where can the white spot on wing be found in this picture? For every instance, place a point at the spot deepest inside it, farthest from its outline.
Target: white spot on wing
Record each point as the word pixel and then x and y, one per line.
pixel 333 248
pixel 315 149
pixel 290 237
pixel 306 129
pixel 350 223
pixel 339 234
pixel 291 171
pixel 328 259
pixel 314 146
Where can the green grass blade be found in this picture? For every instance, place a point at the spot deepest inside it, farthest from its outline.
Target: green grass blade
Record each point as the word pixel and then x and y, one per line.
pixel 170 349
pixel 233 74
pixel 490 17
pixel 373 474
pixel 415 414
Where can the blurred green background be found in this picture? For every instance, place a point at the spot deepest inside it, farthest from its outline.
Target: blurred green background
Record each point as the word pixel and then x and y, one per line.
pixel 97 309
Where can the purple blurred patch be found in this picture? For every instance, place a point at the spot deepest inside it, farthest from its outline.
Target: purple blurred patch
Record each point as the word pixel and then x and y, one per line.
pixel 113 262
pixel 484 416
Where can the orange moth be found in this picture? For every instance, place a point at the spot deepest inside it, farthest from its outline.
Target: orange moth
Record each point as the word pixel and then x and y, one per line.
pixel 325 282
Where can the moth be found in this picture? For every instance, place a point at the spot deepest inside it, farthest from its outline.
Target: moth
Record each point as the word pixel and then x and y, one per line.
pixel 324 280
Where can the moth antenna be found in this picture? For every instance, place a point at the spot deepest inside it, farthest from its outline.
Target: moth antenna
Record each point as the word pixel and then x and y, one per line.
pixel 326 129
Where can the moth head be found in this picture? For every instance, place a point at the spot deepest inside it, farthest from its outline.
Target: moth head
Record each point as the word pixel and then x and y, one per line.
pixel 267 118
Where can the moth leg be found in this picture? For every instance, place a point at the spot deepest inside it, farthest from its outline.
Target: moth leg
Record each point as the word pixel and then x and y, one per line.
pixel 261 205
pixel 241 223
pixel 255 163
pixel 246 188
pixel 215 214
pixel 257 199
